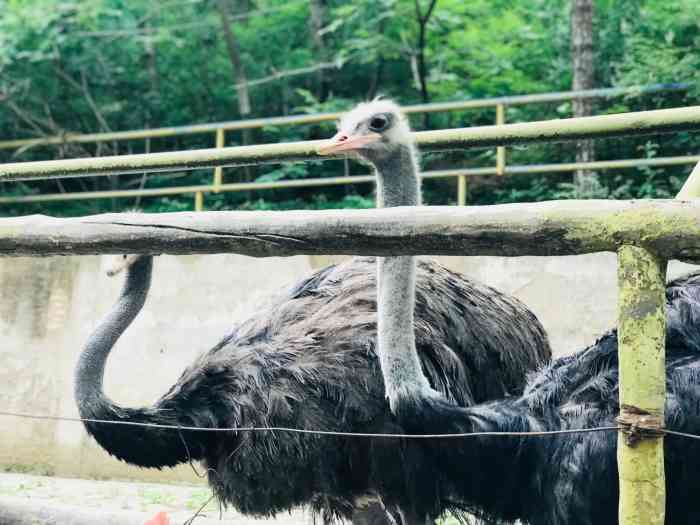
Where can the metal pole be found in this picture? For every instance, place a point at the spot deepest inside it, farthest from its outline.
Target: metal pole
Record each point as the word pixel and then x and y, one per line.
pixel 218 171
pixel 354 179
pixel 199 201
pixel 500 150
pixel 640 123
pixel 462 190
pixel 321 117
pixel 641 340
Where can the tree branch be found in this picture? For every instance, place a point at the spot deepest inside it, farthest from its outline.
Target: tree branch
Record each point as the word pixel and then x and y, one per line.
pixel 82 87
pixel 277 75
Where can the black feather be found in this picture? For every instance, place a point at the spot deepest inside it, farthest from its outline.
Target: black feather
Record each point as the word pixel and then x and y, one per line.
pixel 307 361
pixel 565 479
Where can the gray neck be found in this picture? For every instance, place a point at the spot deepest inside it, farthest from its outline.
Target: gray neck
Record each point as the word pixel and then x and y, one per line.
pixel 91 365
pixel 398 184
pixel 398 181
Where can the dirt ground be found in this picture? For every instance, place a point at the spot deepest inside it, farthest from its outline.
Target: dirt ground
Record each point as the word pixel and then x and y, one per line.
pixel 117 502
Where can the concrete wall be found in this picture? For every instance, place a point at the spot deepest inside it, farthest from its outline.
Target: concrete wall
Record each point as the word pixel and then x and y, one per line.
pixel 49 306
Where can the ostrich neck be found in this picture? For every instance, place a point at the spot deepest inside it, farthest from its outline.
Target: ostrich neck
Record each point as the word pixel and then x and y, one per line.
pixel 398 184
pixel 146 446
pixel 91 365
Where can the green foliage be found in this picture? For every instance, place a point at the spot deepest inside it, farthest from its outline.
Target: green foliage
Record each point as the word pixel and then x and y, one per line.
pixel 97 65
pixel 285 172
pixel 318 202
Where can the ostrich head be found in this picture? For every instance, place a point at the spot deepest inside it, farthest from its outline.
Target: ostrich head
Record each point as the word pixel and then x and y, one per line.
pixel 378 133
pixel 372 130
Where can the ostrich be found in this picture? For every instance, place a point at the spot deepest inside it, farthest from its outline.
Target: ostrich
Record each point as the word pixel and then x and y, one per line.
pixel 308 361
pixel 554 480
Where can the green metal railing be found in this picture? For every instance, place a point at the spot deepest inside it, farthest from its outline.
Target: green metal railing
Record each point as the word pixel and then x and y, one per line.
pixel 201 189
pixel 219 129
pixel 293 120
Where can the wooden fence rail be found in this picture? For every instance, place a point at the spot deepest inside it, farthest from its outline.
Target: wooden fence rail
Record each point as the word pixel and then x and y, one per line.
pixel 668 227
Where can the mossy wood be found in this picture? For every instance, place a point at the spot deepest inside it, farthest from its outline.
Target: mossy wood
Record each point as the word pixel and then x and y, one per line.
pixel 670 228
pixel 642 333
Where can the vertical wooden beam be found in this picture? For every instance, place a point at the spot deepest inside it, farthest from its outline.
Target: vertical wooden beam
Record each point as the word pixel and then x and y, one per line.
pixel 500 150
pixel 641 335
pixel 462 190
pixel 218 171
pixel 199 201
pixel 691 188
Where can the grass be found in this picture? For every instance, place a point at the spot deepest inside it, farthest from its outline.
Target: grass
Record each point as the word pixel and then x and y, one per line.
pixel 38 469
pixel 151 496
pixel 199 497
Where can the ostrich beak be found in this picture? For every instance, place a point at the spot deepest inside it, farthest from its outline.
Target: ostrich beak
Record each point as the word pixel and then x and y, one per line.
pixel 344 142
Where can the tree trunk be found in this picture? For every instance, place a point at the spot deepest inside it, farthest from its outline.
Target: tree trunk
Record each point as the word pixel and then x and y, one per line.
pixel 585 181
pixel 318 14
pixel 378 70
pixel 420 54
pixel 151 64
pixel 422 70
pixel 150 60
pixel 239 74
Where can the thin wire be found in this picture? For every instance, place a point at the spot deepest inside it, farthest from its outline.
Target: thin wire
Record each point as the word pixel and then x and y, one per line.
pixel 316 432
pixel 179 428
pixel 681 434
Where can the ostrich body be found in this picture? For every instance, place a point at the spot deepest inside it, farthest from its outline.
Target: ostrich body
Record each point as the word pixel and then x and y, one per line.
pixel 568 479
pixel 553 480
pixel 308 361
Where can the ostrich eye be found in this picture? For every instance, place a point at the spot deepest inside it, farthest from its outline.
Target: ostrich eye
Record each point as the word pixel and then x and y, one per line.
pixel 378 123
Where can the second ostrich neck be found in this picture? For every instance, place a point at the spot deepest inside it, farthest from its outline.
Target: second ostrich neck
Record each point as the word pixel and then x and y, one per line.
pixel 398 184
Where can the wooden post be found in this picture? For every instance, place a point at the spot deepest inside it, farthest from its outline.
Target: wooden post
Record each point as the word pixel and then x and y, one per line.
pixel 218 171
pixel 641 335
pixel 500 150
pixel 691 188
pixel 462 190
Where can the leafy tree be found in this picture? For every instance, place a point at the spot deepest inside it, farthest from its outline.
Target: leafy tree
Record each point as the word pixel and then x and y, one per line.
pixel 89 66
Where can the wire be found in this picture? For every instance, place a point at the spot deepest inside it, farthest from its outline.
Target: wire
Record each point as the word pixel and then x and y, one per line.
pixel 311 431
pixel 680 434
pixel 538 433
